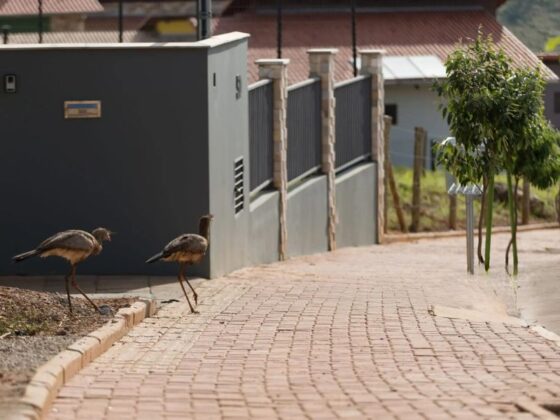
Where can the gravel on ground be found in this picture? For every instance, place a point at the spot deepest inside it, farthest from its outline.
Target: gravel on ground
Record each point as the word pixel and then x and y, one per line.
pixel 21 356
pixel 35 326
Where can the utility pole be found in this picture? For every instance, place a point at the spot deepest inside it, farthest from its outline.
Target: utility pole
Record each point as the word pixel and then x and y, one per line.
pixel 40 21
pixel 204 19
pixel 354 49
pixel 121 21
pixel 279 28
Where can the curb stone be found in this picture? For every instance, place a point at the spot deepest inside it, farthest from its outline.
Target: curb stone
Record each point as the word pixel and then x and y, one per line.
pixel 50 377
pixel 546 334
pixel 391 238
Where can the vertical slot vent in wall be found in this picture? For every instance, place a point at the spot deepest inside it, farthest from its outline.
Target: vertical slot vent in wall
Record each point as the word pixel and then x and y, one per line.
pixel 238 188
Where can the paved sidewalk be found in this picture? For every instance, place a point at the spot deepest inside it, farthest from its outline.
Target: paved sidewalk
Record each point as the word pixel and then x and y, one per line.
pixel 339 335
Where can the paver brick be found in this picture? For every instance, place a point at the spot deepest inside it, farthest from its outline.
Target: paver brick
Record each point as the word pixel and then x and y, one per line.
pixel 339 335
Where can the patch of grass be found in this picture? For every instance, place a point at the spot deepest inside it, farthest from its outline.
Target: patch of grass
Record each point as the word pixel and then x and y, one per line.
pixel 27 313
pixel 21 325
pixel 434 213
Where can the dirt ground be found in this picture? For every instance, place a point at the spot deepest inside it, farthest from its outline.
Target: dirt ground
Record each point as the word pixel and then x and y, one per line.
pixel 35 326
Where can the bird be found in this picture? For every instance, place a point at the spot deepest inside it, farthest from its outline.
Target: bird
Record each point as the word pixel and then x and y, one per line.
pixel 187 249
pixel 74 246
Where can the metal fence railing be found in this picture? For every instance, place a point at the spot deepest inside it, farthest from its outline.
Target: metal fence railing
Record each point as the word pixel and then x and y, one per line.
pixel 304 128
pixel 352 121
pixel 260 134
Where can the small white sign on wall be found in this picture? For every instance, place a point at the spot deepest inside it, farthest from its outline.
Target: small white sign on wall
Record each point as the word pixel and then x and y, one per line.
pixel 82 109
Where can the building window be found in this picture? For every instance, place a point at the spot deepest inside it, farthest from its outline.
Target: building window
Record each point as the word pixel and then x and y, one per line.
pixel 391 110
pixel 557 102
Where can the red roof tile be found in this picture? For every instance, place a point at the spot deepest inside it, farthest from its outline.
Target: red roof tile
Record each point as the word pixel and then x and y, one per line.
pixel 50 7
pixel 401 34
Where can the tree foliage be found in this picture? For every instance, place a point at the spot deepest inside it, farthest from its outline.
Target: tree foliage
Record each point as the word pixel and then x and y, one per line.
pixel 496 113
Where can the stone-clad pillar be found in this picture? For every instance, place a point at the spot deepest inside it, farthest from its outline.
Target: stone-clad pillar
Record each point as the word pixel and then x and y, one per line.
pixel 277 71
pixel 321 65
pixel 372 64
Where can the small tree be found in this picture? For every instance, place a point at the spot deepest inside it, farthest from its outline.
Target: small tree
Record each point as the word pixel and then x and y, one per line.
pixel 472 92
pixel 522 125
pixel 538 160
pixel 496 113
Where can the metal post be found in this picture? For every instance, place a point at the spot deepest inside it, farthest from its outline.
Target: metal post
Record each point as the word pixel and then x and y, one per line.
pixel 470 232
pixel 121 21
pixel 279 28
pixel 354 49
pixel 204 15
pixel 5 33
pixel 40 21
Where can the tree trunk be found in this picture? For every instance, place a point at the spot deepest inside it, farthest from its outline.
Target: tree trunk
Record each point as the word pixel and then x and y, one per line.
pixel 514 232
pixel 481 219
pixel 526 207
pixel 489 209
pixel 513 220
pixel 558 206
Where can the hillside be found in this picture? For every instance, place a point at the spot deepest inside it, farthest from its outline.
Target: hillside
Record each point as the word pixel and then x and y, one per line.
pixel 532 21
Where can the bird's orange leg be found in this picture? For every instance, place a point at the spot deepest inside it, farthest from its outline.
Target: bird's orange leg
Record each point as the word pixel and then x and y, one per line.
pixel 180 278
pixel 75 285
pixel 67 279
pixel 185 278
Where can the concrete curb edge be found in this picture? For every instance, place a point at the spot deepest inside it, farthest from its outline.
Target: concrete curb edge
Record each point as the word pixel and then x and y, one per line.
pixel 546 334
pixel 411 237
pixel 50 377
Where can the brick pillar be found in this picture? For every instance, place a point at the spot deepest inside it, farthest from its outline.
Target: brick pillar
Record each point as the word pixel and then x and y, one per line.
pixel 321 65
pixel 372 64
pixel 277 71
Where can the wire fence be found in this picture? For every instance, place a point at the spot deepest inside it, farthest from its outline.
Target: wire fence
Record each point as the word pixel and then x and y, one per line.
pixel 440 212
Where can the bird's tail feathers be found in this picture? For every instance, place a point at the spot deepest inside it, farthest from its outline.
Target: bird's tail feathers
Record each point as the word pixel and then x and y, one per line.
pixel 155 258
pixel 25 255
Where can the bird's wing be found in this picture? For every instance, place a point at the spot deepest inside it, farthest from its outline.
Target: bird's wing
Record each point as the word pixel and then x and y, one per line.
pixel 189 242
pixel 69 239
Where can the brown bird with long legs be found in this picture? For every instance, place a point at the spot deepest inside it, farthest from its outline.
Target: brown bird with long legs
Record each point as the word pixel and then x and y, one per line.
pixel 187 249
pixel 74 246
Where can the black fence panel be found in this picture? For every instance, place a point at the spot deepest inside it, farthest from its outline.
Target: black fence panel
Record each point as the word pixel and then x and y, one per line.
pixel 260 134
pixel 304 128
pixel 353 121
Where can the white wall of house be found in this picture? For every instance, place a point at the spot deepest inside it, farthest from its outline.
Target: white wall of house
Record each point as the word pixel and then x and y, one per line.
pixel 417 106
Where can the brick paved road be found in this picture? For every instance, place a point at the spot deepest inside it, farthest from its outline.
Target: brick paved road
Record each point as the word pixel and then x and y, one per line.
pixel 339 335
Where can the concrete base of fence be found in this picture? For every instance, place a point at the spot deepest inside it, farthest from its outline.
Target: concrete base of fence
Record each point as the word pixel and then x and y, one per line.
pixel 265 229
pixel 356 206
pixel 307 218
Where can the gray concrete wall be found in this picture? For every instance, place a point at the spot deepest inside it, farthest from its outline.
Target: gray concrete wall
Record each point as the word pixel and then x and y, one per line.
pixel 142 169
pixel 307 217
pixel 417 106
pixel 265 229
pixel 552 88
pixel 356 206
pixel 228 140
